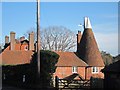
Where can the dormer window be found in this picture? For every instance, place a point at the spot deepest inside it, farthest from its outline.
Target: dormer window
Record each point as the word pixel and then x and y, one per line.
pixel 74 69
pixel 95 70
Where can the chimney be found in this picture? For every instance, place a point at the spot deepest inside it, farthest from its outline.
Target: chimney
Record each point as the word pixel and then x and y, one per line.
pixel 22 38
pixel 31 41
pixel 6 39
pixel 12 40
pixel 78 40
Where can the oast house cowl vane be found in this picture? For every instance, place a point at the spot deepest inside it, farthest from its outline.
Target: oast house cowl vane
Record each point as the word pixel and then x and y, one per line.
pixel 87 24
pixel 88 48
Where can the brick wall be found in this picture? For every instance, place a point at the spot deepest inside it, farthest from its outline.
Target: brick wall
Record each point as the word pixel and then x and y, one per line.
pixel 63 72
pixel 95 75
pixel 19 47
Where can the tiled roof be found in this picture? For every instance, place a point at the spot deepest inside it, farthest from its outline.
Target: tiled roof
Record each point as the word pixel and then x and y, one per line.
pixel 88 49
pixel 69 59
pixel 16 57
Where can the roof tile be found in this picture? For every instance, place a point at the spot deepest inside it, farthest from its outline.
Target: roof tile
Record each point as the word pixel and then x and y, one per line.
pixel 69 59
pixel 16 57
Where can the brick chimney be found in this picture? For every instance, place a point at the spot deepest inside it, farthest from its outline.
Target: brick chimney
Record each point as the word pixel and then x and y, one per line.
pixel 78 40
pixel 12 40
pixel 6 39
pixel 31 41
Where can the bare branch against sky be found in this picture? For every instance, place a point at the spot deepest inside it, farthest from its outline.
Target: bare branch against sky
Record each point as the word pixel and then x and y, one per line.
pixel 19 17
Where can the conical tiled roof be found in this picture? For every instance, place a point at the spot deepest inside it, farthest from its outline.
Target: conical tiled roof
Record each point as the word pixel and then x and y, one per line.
pixel 88 48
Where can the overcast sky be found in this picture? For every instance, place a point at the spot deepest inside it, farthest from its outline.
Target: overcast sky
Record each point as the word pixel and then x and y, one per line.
pixel 21 16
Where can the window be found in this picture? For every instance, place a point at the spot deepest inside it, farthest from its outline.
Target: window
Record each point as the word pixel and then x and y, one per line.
pixel 94 69
pixel 74 69
pixel 23 78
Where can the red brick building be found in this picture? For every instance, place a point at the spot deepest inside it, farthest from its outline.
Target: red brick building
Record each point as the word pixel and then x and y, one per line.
pixel 86 62
pixel 17 51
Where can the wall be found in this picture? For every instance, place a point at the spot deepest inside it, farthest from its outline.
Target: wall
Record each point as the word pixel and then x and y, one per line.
pixel 95 75
pixel 63 72
pixel 18 46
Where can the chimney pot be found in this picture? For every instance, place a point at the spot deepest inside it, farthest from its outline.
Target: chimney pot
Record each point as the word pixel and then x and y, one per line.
pixel 22 38
pixel 6 39
pixel 78 40
pixel 79 32
pixel 12 40
pixel 31 41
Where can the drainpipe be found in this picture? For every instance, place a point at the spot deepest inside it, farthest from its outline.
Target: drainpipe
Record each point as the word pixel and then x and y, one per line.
pixel 85 73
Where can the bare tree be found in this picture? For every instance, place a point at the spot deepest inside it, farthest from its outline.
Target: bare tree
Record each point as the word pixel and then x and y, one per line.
pixel 57 38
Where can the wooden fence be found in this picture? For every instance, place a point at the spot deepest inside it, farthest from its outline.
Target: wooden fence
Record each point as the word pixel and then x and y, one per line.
pixel 72 84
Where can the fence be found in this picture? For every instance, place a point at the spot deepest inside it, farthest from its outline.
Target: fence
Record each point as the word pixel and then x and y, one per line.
pixel 72 84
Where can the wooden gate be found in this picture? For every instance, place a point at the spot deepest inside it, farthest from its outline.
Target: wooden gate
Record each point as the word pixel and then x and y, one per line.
pixel 62 83
pixel 71 83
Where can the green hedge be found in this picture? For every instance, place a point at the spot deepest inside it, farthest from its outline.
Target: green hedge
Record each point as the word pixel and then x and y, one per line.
pixel 14 73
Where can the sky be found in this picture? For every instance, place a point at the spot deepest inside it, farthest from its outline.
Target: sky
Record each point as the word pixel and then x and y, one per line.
pixel 21 17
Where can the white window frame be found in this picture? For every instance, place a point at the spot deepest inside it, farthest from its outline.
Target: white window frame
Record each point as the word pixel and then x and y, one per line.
pixel 74 69
pixel 95 70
